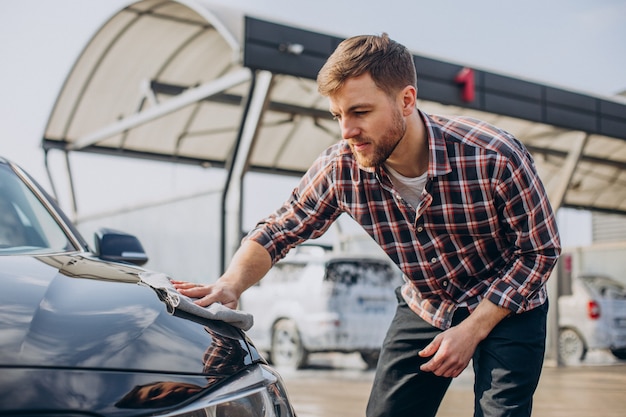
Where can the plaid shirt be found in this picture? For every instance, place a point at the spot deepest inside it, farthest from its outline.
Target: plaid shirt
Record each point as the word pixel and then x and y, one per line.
pixel 483 228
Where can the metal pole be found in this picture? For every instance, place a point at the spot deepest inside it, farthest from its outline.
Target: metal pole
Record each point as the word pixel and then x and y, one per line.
pixel 233 189
pixel 557 195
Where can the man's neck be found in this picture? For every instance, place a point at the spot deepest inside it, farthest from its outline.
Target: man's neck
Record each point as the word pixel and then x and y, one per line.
pixel 411 156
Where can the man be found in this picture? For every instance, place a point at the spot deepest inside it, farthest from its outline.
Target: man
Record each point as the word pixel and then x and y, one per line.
pixel 456 204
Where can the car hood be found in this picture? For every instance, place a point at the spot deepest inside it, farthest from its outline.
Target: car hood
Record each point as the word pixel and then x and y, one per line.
pixel 75 312
pixel 81 334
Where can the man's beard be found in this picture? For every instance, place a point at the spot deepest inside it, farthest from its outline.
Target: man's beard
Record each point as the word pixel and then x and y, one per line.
pixel 385 147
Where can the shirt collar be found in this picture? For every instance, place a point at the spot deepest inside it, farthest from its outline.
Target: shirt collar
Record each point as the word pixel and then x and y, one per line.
pixel 438 163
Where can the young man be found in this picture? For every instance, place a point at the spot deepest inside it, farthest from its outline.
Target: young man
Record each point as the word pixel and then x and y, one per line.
pixel 456 204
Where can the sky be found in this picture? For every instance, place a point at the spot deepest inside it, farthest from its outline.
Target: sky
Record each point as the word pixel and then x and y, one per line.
pixel 574 44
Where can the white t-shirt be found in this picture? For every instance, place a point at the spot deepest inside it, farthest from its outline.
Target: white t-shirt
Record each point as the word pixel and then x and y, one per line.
pixel 409 188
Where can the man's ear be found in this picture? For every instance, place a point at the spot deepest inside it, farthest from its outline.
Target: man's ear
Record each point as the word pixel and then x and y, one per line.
pixel 409 99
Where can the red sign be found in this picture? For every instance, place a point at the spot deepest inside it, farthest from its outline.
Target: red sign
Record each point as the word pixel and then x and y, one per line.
pixel 465 78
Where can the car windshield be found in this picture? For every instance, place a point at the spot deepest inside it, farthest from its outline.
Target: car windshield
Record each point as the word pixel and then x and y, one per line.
pixel 607 287
pixel 26 225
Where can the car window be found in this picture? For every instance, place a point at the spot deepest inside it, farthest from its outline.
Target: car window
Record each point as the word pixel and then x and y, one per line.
pixel 364 272
pixel 607 287
pixel 26 225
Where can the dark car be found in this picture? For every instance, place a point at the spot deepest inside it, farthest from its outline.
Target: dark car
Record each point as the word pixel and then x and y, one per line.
pixel 81 334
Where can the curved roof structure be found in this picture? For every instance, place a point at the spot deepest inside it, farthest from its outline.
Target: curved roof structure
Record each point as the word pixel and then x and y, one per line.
pixel 185 81
pixel 165 79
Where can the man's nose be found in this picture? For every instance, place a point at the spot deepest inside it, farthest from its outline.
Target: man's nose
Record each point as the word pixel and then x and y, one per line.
pixel 349 129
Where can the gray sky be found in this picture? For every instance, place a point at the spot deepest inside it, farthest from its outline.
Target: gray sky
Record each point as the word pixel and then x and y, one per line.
pixel 574 44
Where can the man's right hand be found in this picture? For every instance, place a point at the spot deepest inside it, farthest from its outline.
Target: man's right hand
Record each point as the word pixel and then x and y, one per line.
pixel 208 294
pixel 249 264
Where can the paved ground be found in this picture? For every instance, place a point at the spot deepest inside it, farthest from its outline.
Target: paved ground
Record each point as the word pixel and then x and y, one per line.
pixel 339 386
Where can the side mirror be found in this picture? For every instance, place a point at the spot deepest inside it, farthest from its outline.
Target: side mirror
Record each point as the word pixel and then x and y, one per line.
pixel 116 246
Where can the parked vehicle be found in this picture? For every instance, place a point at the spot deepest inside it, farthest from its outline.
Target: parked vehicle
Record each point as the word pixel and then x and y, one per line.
pixel 592 317
pixel 80 334
pixel 316 301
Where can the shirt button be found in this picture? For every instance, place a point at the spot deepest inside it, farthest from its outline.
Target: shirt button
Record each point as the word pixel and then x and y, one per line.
pixel 444 283
pixel 433 260
pixel 420 228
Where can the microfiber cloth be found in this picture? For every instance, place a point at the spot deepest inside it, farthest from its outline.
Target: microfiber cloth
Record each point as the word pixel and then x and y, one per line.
pixel 175 300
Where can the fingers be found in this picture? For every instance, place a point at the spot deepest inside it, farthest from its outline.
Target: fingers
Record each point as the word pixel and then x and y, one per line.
pixel 205 295
pixel 443 362
pixel 444 368
pixel 214 298
pixel 430 349
pixel 181 285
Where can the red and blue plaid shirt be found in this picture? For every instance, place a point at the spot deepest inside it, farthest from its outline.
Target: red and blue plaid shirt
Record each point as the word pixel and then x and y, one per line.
pixel 483 228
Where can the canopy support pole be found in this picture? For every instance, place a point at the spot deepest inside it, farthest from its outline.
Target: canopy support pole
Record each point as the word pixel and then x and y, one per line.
pixel 232 227
pixel 556 195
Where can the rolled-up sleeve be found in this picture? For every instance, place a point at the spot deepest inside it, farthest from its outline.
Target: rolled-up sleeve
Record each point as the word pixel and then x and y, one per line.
pixel 530 225
pixel 307 214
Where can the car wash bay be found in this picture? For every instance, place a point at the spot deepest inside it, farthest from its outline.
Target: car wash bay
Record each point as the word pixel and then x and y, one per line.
pixel 235 93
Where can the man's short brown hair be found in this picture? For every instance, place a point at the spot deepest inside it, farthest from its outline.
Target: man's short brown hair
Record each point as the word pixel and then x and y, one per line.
pixel 389 63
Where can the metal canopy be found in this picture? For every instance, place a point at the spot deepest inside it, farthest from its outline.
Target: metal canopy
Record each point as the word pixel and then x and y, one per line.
pixel 174 80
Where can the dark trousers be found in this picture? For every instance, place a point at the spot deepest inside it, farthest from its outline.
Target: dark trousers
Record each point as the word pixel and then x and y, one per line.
pixel 507 365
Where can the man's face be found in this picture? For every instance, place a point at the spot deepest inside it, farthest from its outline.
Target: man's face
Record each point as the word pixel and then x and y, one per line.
pixel 371 122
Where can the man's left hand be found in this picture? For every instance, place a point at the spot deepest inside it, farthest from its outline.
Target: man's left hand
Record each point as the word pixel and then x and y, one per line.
pixel 452 349
pixel 451 352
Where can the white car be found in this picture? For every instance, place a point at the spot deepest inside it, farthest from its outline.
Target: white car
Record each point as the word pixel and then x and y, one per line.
pixel 592 317
pixel 322 302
